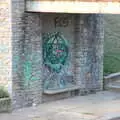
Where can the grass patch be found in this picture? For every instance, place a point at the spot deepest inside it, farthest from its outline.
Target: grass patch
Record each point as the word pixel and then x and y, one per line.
pixel 5 101
pixel 3 93
pixel 111 63
pixel 112 44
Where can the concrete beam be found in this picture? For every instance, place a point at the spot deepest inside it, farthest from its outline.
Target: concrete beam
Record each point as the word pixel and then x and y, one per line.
pixel 73 6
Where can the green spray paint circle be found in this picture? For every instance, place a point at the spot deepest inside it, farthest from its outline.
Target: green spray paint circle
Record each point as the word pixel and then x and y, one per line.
pixel 55 51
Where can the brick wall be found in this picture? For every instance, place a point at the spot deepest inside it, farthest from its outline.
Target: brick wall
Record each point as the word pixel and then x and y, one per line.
pixel 5 44
pixel 27 56
pixel 33 58
pixel 17 53
pixel 89 36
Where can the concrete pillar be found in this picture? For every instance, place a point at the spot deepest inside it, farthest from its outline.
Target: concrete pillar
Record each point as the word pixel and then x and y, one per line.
pixel 26 56
pixel 89 51
pixel 32 65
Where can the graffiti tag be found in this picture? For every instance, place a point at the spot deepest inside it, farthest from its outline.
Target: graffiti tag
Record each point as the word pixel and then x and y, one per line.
pixel 62 21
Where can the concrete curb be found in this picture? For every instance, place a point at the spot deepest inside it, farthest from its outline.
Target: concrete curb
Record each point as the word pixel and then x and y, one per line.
pixel 111 116
pixel 5 105
pixel 110 79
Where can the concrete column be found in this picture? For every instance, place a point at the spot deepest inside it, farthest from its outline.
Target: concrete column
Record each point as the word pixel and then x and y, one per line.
pixel 89 51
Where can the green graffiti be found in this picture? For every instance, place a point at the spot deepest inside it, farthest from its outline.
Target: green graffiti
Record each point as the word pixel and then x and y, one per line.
pixel 27 71
pixel 31 68
pixel 55 51
pixel 16 60
pixel 56 61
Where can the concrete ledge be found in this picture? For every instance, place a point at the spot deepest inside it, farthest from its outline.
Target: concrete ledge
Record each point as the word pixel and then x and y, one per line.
pixel 5 104
pixel 61 90
pixel 109 79
pixel 113 75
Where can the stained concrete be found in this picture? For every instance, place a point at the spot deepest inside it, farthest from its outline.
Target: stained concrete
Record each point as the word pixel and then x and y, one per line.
pixel 101 106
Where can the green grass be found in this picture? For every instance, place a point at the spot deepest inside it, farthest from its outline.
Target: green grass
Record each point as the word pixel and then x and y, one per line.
pixel 3 92
pixel 112 44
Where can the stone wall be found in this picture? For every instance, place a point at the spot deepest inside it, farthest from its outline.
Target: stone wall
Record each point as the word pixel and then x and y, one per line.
pixel 5 44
